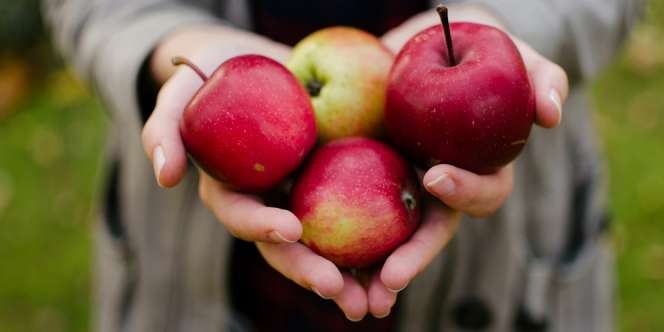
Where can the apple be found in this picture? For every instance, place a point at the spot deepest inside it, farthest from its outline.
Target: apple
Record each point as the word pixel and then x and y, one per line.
pixel 358 200
pixel 471 106
pixel 250 125
pixel 345 71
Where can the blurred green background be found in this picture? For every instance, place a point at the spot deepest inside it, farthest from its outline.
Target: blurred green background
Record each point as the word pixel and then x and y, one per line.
pixel 51 146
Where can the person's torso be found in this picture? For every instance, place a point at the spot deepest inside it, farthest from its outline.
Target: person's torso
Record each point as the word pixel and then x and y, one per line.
pixel 169 269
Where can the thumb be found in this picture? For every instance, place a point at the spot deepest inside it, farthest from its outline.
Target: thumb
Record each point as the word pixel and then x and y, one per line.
pixel 550 84
pixel 161 135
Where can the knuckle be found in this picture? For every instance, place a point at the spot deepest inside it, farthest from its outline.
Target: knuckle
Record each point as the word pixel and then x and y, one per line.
pixel 147 132
pixel 232 231
pixel 558 70
pixel 562 75
pixel 467 200
pixel 487 209
pixel 256 216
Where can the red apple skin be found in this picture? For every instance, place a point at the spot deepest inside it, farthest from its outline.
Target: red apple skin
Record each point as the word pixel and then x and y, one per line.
pixel 476 115
pixel 358 200
pixel 250 125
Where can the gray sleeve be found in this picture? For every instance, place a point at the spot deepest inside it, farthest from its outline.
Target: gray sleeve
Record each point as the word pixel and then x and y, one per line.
pixel 580 35
pixel 107 41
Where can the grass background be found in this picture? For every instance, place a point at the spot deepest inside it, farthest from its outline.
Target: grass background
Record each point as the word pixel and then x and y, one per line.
pixel 51 147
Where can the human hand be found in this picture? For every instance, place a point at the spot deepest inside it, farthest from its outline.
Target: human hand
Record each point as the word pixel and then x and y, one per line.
pixel 473 194
pixel 274 230
pixel 550 84
pixel 459 190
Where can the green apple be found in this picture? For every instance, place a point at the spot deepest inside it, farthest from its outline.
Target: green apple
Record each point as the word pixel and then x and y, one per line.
pixel 345 71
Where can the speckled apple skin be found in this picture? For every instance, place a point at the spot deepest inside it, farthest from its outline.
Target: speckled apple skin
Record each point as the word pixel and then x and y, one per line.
pixel 476 115
pixel 353 67
pixel 250 125
pixel 350 200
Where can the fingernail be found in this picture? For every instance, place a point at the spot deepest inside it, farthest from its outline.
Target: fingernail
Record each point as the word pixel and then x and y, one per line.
pixel 555 99
pixel 277 237
pixel 319 294
pixel 353 319
pixel 384 315
pixel 442 185
pixel 158 161
pixel 397 290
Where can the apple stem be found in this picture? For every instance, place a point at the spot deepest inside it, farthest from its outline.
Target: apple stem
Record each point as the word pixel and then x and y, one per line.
pixel 442 12
pixel 178 60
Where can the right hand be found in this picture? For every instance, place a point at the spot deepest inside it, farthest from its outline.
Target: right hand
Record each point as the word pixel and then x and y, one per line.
pixel 275 231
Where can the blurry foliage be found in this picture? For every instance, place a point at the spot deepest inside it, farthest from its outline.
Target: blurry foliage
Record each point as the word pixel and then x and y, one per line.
pixel 630 100
pixel 14 83
pixel 50 161
pixel 51 137
pixel 25 56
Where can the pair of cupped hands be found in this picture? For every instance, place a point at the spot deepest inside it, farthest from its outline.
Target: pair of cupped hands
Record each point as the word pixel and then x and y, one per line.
pixel 276 231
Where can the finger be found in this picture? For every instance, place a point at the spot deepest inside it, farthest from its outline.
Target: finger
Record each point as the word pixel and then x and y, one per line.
pixel 394 40
pixel 381 299
pixel 301 265
pixel 246 217
pixel 353 299
pixel 161 134
pixel 397 37
pixel 412 257
pixel 549 83
pixel 476 195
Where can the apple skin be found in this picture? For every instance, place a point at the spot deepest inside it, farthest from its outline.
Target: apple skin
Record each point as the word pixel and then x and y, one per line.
pixel 358 200
pixel 351 68
pixel 250 125
pixel 476 115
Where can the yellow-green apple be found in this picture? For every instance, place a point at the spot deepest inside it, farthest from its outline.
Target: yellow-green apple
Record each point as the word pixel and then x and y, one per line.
pixel 464 100
pixel 345 71
pixel 358 200
pixel 250 125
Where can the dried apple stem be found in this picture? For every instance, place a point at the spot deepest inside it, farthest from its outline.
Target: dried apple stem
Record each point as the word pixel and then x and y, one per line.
pixel 442 12
pixel 178 60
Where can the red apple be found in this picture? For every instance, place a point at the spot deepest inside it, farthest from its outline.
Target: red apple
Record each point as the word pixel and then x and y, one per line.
pixel 357 200
pixel 473 110
pixel 250 124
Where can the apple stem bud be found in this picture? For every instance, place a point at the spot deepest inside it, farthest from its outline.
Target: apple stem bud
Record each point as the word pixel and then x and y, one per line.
pixel 313 87
pixel 442 12
pixel 178 60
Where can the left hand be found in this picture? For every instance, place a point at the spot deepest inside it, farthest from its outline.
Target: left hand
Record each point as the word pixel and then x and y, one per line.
pixel 457 191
